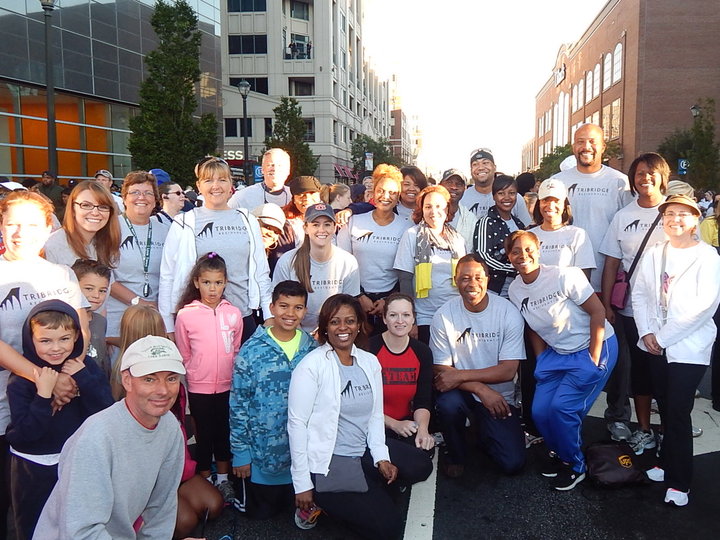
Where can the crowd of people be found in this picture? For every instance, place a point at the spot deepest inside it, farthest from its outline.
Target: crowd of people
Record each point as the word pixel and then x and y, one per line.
pixel 316 340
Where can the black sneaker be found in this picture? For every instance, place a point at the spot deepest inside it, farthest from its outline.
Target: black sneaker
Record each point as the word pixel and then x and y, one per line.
pixel 566 479
pixel 551 465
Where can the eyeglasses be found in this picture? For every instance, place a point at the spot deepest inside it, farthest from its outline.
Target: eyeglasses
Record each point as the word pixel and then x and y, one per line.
pixel 138 193
pixel 178 193
pixel 89 207
pixel 681 215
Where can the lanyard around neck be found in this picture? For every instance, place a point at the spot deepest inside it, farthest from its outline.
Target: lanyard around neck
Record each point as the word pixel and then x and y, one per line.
pixel 146 257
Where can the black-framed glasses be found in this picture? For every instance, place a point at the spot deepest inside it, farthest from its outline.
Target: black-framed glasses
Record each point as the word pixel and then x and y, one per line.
pixel 178 193
pixel 89 207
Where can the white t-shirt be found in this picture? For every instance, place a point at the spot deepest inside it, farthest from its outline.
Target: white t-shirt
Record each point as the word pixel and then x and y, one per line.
pixel 467 340
pixel 551 307
pixel 595 199
pixel 626 233
pixel 58 250
pixel 374 246
pixel 23 285
pixel 442 287
pixel 253 196
pixel 405 213
pixel 566 246
pixel 129 269
pixel 464 222
pixel 339 274
pixel 479 204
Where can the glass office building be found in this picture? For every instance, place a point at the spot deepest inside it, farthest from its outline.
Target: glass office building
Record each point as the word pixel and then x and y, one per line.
pixel 98 55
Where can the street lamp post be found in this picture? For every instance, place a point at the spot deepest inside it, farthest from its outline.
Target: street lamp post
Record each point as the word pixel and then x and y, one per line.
pixel 244 88
pixel 695 110
pixel 48 7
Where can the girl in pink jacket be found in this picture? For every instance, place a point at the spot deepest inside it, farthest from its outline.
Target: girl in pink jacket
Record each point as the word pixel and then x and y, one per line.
pixel 208 329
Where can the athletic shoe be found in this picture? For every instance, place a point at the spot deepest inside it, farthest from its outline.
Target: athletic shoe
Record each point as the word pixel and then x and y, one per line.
pixel 567 478
pixel 227 491
pixel 675 497
pixel 307 519
pixel 641 441
pixel 696 432
pixel 531 439
pixel 654 408
pixel 551 466
pixel 619 431
pixel 656 474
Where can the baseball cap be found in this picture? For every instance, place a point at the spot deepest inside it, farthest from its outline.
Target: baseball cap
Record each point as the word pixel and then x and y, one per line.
pixel 161 176
pixel 317 210
pixel 270 214
pixel 303 184
pixel 552 188
pixel 680 199
pixel 453 172
pixel 105 173
pixel 152 354
pixel 481 153
pixel 12 186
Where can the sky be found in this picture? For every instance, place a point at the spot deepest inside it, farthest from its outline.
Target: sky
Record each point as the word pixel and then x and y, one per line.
pixel 470 69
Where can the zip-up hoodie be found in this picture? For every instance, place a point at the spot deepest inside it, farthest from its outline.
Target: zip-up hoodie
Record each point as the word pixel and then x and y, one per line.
pixel 208 340
pixel 34 429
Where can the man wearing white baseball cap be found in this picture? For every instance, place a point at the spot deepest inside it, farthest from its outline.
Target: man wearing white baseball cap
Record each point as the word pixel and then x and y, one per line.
pixel 119 473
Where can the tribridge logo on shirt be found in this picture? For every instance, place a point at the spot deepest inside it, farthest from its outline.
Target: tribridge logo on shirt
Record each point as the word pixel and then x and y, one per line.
pixel 482 337
pixel 370 236
pixel 637 225
pixel 541 302
pixel 364 237
pixel 15 298
pixel 128 242
pixel 587 190
pixel 553 247
pixel 210 230
pixel 399 375
pixel 350 390
pixel 474 207
pixel 326 284
pixel 524 304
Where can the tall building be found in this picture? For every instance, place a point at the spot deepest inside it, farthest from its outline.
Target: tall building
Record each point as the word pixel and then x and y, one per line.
pixel 312 51
pixel 636 71
pixel 98 50
pixel 400 139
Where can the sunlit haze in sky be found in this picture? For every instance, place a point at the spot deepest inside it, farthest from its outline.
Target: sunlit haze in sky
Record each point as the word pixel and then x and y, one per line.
pixel 470 69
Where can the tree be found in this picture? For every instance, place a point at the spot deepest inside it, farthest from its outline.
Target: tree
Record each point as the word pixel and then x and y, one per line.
pixel 550 163
pixel 165 134
pixel 381 150
pixel 698 146
pixel 289 131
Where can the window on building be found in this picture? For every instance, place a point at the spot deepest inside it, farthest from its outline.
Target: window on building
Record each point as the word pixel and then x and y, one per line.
pixel 574 91
pixel 299 10
pixel 596 81
pixel 581 93
pixel 588 86
pixel 231 127
pixel 615 119
pixel 607 71
pixel 606 120
pixel 268 127
pixel 617 63
pixel 540 126
pixel 257 84
pixel 247 44
pixel 301 86
pixel 245 6
pixel 309 129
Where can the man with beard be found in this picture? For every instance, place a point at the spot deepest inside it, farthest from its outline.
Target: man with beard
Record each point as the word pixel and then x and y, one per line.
pixel 479 198
pixel 275 169
pixel 464 220
pixel 50 188
pixel 596 192
pixel 477 345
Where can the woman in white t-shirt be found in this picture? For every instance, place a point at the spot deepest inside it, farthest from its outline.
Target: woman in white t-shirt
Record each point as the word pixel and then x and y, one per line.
pixel 561 244
pixel 373 239
pixel 575 348
pixel 674 298
pixel 648 175
pixel 426 257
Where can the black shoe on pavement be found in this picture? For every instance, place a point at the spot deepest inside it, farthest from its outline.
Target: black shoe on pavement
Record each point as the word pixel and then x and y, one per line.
pixel 551 465
pixel 567 478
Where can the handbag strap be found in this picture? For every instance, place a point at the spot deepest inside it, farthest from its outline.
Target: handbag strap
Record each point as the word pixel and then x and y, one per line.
pixel 642 246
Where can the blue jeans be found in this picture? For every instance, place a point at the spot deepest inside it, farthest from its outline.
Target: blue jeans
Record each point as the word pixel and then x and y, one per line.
pixel 567 386
pixel 502 439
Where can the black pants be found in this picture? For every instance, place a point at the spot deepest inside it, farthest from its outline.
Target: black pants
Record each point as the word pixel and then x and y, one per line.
pixel 212 424
pixel 249 326
pixel 372 514
pixel 715 380
pixel 414 464
pixel 30 486
pixel 527 386
pixel 675 393
pixel 618 385
pixel 263 501
pixel 424 333
pixel 4 486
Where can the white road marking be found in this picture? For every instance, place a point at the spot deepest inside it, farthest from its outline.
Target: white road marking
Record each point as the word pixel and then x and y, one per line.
pixel 421 512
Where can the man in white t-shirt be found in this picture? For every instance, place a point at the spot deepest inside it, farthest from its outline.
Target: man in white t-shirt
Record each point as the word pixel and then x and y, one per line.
pixel 276 170
pixel 596 193
pixel 478 198
pixel 477 345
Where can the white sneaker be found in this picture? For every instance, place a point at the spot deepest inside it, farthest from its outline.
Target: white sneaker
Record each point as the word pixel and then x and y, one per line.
pixel 675 497
pixel 656 474
pixel 641 441
pixel 619 431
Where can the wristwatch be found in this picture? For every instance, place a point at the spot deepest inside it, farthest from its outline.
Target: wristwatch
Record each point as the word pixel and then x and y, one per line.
pixel 135 301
